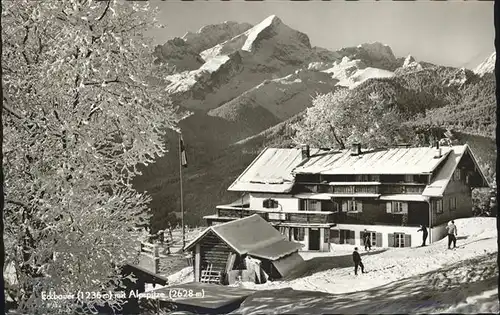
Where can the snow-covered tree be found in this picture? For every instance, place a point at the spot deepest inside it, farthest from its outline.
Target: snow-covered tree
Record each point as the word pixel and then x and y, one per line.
pixel 338 119
pixel 82 107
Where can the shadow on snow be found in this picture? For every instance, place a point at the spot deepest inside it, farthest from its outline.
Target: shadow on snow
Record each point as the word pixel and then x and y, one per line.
pixel 419 294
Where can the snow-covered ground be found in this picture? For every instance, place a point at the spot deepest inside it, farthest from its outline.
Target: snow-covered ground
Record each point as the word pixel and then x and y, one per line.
pixel 333 272
pixel 418 280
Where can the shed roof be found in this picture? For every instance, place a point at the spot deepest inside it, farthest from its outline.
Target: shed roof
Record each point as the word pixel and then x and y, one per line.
pixel 251 235
pixel 420 160
pixel 270 171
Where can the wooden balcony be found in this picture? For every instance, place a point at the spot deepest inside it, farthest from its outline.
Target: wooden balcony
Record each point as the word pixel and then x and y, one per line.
pixel 402 189
pixel 341 188
pixel 276 215
pixel 346 188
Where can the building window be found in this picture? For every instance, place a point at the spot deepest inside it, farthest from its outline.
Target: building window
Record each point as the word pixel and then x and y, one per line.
pixel 362 178
pixel 456 175
pixel 337 207
pixel 399 240
pixel 375 178
pixel 298 233
pixel 397 207
pixel 453 203
pixel 354 206
pixel 312 205
pixel 403 189
pixel 409 178
pixel 309 205
pixel 270 204
pixel 438 206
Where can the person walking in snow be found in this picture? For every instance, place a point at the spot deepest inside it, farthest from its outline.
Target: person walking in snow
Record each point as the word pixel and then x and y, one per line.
pixel 425 233
pixel 367 240
pixel 357 262
pixel 452 232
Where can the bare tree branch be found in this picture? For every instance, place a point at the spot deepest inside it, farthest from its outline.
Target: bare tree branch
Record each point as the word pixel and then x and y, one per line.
pixel 108 3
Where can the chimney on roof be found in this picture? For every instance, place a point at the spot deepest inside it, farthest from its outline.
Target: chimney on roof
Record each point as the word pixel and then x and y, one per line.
pixel 306 152
pixel 437 154
pixel 356 149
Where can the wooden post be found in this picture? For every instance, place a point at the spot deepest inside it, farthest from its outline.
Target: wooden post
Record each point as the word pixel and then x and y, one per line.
pixel 197 263
pixel 156 260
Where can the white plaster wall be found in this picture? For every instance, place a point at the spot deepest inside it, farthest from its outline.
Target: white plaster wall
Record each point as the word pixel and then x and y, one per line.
pixel 306 240
pixel 416 237
pixel 288 202
pixel 325 247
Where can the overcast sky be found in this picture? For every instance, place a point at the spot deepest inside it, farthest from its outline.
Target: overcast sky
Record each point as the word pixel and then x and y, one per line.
pixel 459 34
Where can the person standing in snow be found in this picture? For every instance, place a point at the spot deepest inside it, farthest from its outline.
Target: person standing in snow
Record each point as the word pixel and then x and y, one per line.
pixel 357 262
pixel 452 232
pixel 425 233
pixel 367 240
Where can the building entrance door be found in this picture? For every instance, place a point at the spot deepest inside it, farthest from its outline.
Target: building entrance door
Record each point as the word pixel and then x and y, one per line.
pixel 314 239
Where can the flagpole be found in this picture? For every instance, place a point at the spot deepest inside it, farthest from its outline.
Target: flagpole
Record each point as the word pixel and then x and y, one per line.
pixel 182 195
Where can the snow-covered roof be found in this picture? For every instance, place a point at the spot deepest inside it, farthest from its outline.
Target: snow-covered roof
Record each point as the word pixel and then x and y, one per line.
pixel 395 161
pixel 440 181
pixel 271 171
pixel 274 170
pixel 251 235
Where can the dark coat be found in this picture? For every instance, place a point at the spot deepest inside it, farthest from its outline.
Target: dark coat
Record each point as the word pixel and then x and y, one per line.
pixel 423 229
pixel 366 236
pixel 356 257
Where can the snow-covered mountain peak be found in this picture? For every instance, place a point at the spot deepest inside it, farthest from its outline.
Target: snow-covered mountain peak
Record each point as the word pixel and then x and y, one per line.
pixel 351 73
pixel 408 61
pixel 374 54
pixel 270 39
pixel 211 35
pixel 487 66
pixel 255 32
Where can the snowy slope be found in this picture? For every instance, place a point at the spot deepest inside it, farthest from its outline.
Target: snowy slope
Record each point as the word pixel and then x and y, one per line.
pixel 176 52
pixel 282 97
pixel 210 35
pixel 466 286
pixel 375 55
pixel 351 73
pixel 266 51
pixel 487 66
pixel 333 272
pixel 429 279
pixel 270 38
pixel 188 80
pixel 399 280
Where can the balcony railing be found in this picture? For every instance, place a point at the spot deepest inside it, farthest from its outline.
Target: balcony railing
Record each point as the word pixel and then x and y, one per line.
pixel 361 188
pixel 276 215
pixel 402 189
pixel 339 189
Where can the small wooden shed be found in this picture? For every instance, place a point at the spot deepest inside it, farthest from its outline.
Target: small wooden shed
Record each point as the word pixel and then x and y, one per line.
pixel 226 247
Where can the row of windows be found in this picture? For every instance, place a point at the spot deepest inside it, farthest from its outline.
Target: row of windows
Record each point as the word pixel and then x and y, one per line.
pixel 438 204
pixel 347 237
pixel 357 205
pixel 408 178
